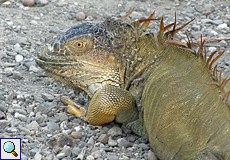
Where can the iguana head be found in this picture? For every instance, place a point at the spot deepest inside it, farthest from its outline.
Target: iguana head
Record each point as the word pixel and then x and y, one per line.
pixel 86 56
pixel 90 55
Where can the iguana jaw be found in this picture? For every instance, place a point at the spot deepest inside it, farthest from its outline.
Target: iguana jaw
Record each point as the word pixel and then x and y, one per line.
pixel 80 75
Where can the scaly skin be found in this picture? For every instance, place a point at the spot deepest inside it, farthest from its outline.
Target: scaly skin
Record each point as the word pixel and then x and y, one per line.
pixel 158 86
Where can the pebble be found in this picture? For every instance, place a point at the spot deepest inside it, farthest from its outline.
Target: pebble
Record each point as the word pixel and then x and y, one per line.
pixel 20 116
pixel 217 22
pixel 47 97
pixel 33 22
pixel 42 2
pixel 115 131
pixel 52 126
pixel 45 108
pixel 33 126
pixel 122 142
pixel 28 2
pixel 17 75
pixel 103 139
pixel 112 142
pixel 77 135
pixel 19 58
pixel 37 156
pixel 33 68
pixel 222 26
pixel 80 16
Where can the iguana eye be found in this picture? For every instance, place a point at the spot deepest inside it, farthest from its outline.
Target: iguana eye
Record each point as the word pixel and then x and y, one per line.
pixel 79 44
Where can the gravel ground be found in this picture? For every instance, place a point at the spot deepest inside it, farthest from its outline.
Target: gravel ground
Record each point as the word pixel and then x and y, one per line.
pixel 30 106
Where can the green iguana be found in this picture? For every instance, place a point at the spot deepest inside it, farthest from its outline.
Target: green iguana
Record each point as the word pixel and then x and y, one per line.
pixel 156 85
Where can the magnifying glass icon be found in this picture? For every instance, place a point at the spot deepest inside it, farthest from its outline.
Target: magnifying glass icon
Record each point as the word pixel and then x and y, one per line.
pixel 9 147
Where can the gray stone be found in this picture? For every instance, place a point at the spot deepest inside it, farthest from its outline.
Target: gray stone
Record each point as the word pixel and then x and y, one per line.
pixel 217 22
pixel 37 156
pixel 66 150
pixel 12 129
pixel 115 131
pixel 38 99
pixel 25 130
pixel 45 107
pixel 20 116
pixel 122 142
pixel 39 119
pixel 103 139
pixel 112 142
pixel 47 97
pixel 151 155
pixel 21 111
pixel 33 151
pixel 90 142
pixel 17 75
pixel 33 126
pixel 143 146
pixel 3 107
pixel 53 126
pixel 42 2
pixel 61 155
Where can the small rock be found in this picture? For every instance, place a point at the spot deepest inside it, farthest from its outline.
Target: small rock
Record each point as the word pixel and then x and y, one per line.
pixel 45 107
pixel 151 155
pixel 33 151
pixel 77 135
pixel 20 116
pixel 217 22
pixel 42 2
pixel 103 139
pixel 61 3
pixel 61 140
pixel 39 119
pixel 222 26
pixel 223 43
pixel 3 107
pixel 122 142
pixel 115 131
pixel 90 141
pixel 80 16
pixel 32 68
pixel 47 97
pixel 67 151
pixel 61 155
pixel 33 126
pixel 28 2
pixel 37 156
pixel 17 75
pixel 20 97
pixel 25 130
pixel 33 22
pixel 213 33
pixel 143 146
pixel 19 58
pixel 4 124
pixel 53 126
pixel 112 142
pixel 90 157
pixel 12 129
pixel 2 53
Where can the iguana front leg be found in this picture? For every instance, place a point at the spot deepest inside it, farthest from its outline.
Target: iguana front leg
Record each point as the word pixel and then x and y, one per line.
pixel 108 103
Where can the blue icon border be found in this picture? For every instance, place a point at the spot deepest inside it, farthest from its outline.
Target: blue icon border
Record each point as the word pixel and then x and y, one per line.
pixel 17 153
